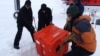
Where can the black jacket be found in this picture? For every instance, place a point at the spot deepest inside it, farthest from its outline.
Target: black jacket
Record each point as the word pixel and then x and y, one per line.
pixel 45 17
pixel 25 16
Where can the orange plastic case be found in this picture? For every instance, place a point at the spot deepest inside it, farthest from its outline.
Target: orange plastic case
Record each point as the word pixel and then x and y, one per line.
pixel 49 41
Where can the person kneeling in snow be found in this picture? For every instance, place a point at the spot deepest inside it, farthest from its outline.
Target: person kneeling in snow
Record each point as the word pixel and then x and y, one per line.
pixel 82 34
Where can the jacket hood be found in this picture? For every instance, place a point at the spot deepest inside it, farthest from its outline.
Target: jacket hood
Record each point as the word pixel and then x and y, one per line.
pixel 85 17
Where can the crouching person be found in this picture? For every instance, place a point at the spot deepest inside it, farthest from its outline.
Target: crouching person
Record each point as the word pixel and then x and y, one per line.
pixel 82 34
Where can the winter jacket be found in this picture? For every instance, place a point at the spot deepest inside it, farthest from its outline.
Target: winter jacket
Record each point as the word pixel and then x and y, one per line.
pixel 45 15
pixel 85 35
pixel 25 16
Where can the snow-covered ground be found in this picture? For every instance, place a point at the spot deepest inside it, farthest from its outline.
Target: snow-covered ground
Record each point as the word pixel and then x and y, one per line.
pixel 8 26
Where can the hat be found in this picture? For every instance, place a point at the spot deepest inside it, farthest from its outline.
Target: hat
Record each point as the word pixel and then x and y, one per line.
pixel 73 10
pixel 43 6
pixel 28 2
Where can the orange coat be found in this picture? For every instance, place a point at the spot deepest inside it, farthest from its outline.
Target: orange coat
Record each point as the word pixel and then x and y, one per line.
pixel 88 37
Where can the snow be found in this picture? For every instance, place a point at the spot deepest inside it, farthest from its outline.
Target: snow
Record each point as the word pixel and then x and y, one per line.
pixel 8 26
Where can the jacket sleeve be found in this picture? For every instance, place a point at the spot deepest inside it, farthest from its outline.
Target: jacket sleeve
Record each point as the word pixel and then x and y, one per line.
pixel 22 15
pixel 83 26
pixel 25 16
pixel 49 15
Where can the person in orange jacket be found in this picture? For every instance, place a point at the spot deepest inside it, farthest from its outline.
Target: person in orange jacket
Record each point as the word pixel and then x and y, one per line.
pixel 83 34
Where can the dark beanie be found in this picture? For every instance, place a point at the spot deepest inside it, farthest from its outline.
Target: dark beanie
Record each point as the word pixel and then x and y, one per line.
pixel 28 2
pixel 43 6
pixel 73 10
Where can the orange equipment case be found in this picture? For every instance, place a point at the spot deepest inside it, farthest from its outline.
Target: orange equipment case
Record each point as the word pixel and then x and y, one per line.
pixel 49 41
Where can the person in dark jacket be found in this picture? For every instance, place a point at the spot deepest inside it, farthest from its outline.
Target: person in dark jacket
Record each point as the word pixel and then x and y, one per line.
pixel 83 34
pixel 81 10
pixel 44 16
pixel 24 19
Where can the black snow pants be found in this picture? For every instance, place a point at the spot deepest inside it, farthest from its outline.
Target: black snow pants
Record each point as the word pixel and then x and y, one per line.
pixel 78 51
pixel 19 32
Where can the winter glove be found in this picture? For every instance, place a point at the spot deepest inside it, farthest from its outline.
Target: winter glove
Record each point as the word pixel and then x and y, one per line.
pixel 67 25
pixel 70 38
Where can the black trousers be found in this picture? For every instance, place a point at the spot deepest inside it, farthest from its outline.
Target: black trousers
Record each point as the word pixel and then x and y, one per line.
pixel 78 51
pixel 30 28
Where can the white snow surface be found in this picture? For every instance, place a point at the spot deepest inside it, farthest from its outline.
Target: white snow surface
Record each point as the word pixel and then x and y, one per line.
pixel 8 26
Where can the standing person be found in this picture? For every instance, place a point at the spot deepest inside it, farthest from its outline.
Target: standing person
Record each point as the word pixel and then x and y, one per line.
pixel 24 19
pixel 44 16
pixel 82 34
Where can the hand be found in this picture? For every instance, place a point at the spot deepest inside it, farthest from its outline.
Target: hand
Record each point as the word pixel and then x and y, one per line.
pixel 69 38
pixel 51 23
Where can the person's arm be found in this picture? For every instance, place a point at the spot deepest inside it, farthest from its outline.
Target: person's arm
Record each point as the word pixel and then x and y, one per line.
pixel 67 25
pixel 50 15
pixel 83 27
